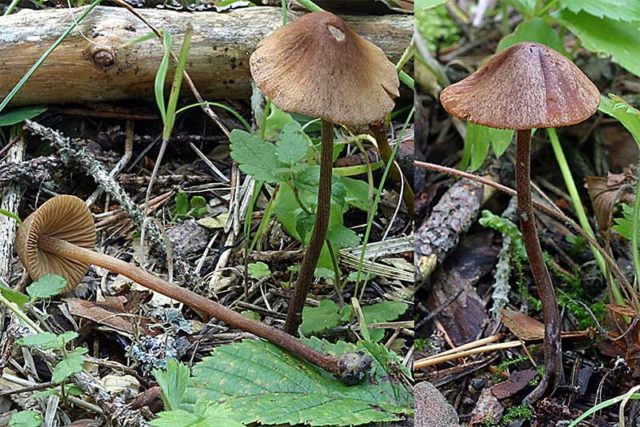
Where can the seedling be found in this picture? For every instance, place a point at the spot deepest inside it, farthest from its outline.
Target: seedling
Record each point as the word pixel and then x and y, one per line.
pixel 528 86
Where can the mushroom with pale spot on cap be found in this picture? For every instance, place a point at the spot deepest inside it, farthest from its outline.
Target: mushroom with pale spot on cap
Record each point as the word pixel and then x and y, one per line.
pixel 58 238
pixel 317 66
pixel 527 86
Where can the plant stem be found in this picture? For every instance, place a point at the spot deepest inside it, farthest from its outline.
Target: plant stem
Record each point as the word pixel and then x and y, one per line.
pixel 635 228
pixel 20 314
pixel 197 302
pixel 579 208
pixel 323 210
pixel 553 374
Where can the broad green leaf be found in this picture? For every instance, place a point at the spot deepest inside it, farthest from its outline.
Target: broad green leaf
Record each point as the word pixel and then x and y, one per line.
pixel 198 207
pixel 525 7
pixel 500 140
pixel 318 319
pixel 428 4
pixel 14 296
pixel 173 381
pixel 293 144
pixel 385 311
pixel 357 192
pixel 618 108
pixel 258 270
pixel 48 340
pixel 477 141
pixel 204 415
pixel 620 10
pixel 534 30
pixel 624 224
pixel 259 382
pixel 47 286
pixel 276 121
pixel 18 115
pixel 618 39
pixel 71 364
pixel 182 204
pixel 342 236
pixel 254 156
pixel 26 419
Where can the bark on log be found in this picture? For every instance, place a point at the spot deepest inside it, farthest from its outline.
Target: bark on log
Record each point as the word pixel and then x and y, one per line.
pixel 93 65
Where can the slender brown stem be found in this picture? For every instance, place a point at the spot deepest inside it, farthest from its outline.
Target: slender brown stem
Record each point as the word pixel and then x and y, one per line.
pixel 197 302
pixel 380 134
pixel 553 374
pixel 310 260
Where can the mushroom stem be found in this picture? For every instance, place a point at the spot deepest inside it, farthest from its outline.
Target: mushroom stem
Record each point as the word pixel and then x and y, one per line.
pixel 323 210
pixel 380 134
pixel 197 302
pixel 553 374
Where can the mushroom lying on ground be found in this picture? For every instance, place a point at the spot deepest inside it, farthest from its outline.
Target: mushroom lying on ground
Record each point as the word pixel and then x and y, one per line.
pixel 528 86
pixel 317 66
pixel 58 238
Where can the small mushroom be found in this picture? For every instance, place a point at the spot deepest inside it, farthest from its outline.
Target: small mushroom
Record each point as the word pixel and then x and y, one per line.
pixel 319 67
pixel 528 86
pixel 58 238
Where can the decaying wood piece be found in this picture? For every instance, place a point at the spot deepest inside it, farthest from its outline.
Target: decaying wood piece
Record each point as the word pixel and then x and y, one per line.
pixel 10 201
pixel 96 64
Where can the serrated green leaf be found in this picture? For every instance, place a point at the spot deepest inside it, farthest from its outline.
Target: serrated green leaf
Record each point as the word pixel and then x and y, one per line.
pixel 47 286
pixel 620 10
pixel 342 236
pixel 624 224
pixel 71 364
pixel 618 108
pixel 48 340
pixel 173 381
pixel 618 39
pixel 505 227
pixel 258 382
pixel 258 270
pixel 18 115
pixel 321 318
pixel 293 144
pixel 534 30
pixel 204 415
pixel 26 419
pixel 254 156
pixel 14 296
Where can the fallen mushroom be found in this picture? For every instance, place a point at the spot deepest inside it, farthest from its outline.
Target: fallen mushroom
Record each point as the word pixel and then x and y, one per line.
pixel 59 236
pixel 317 66
pixel 528 86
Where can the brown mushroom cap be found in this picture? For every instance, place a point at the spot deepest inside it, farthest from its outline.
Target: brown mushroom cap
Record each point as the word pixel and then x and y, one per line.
pixel 317 66
pixel 66 218
pixel 526 86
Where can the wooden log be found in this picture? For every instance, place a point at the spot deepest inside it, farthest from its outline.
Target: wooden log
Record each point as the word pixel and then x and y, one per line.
pixel 96 64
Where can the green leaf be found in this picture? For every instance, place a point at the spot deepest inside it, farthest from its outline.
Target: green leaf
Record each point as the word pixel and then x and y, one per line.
pixel 620 10
pixel 254 156
pixel 173 381
pixel 204 415
pixel 258 270
pixel 318 319
pixel 357 192
pixel 624 224
pixel 259 382
pixel 618 108
pixel 385 311
pixel 534 30
pixel 48 340
pixel 14 296
pixel 182 204
pixel 18 115
pixel 161 74
pixel 293 144
pixel 500 140
pixel 72 363
pixel 276 121
pixel 47 286
pixel 477 141
pixel 506 228
pixel 618 39
pixel 198 207
pixel 342 236
pixel 428 4
pixel 26 419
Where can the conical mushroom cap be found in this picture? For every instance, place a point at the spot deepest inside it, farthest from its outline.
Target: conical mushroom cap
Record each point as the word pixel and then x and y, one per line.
pixel 63 217
pixel 317 66
pixel 526 86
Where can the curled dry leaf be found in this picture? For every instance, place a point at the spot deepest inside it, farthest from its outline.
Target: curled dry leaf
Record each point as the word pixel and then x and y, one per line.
pixel 522 326
pixel 605 193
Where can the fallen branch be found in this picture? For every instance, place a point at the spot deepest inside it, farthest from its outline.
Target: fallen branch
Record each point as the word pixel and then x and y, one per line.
pixel 95 63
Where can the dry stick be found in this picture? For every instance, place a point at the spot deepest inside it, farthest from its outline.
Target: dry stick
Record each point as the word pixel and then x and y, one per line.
pixel 10 201
pixel 197 302
pixel 310 260
pixel 557 214
pixel 432 361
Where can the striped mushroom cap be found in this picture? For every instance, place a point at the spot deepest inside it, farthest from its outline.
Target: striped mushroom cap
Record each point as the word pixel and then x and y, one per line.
pixel 526 86
pixel 317 66
pixel 63 217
